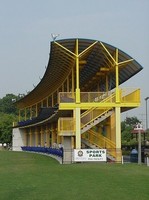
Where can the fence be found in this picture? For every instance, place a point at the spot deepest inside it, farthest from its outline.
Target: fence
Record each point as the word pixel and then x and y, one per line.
pixel 53 151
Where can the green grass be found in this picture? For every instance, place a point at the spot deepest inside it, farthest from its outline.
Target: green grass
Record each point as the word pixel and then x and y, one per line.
pixel 28 176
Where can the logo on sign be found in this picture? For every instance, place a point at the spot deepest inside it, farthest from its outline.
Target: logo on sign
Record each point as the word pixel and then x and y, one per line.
pixel 80 153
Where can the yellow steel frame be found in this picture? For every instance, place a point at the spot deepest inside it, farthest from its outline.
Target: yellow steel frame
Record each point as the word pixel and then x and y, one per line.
pixel 119 101
pixel 77 106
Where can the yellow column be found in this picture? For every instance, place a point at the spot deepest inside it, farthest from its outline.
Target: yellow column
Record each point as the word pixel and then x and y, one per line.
pixel 77 75
pixel 53 135
pixel 47 136
pixel 77 110
pixel 118 133
pixel 30 138
pixel 26 139
pixel 41 137
pixel 118 113
pixel 36 139
pixel 117 78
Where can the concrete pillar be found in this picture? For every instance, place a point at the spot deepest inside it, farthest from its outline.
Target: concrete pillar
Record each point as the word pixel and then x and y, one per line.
pixel 18 139
pixel 78 128
pixel 67 155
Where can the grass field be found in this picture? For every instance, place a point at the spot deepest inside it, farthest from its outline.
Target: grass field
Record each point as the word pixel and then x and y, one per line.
pixel 29 176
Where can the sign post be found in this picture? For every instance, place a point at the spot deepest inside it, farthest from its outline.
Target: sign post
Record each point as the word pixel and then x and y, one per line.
pixel 139 147
pixel 139 128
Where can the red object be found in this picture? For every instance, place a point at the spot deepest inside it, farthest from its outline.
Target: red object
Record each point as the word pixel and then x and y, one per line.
pixel 137 131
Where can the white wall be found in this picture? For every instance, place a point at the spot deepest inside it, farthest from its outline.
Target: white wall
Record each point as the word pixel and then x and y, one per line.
pixel 18 139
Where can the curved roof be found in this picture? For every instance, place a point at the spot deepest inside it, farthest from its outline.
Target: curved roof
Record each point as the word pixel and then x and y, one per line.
pixel 60 65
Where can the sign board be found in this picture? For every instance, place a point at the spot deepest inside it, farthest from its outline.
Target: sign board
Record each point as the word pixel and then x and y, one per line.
pixel 138 126
pixel 90 155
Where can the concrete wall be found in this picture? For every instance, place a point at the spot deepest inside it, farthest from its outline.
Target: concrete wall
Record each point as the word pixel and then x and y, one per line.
pixel 18 139
pixel 67 156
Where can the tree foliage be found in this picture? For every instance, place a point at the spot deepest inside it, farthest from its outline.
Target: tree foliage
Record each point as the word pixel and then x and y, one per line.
pixel 6 104
pixel 8 114
pixel 6 122
pixel 126 127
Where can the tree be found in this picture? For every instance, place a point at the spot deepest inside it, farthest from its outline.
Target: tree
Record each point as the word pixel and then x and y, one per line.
pixel 126 127
pixel 7 105
pixel 6 122
pixel 8 114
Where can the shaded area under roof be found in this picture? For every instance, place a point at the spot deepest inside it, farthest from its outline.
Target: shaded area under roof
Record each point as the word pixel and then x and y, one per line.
pixel 60 65
pixel 46 115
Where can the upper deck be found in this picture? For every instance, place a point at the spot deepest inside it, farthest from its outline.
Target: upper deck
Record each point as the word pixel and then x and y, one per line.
pixel 96 66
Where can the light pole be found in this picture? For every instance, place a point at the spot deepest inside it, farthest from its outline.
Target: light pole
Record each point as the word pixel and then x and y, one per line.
pixel 139 129
pixel 146 113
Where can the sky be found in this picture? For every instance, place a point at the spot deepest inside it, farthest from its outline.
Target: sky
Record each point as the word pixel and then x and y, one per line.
pixel 25 36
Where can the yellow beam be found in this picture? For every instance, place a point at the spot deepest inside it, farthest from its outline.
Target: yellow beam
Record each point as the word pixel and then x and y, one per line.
pixel 104 69
pixel 66 50
pixel 71 106
pixel 82 62
pixel 107 52
pixel 124 62
pixel 87 49
pixel 108 59
pixel 100 74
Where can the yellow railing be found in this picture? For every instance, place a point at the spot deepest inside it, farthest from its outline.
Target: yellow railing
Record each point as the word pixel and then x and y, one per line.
pixel 130 95
pixel 67 97
pixel 127 95
pixel 89 97
pixel 66 126
pixel 93 113
pixel 100 141
pixel 85 97
pixel 92 116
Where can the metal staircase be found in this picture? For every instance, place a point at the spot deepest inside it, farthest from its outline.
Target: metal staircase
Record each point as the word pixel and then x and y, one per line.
pixel 95 115
pixel 91 118
pixel 95 140
pixel 101 117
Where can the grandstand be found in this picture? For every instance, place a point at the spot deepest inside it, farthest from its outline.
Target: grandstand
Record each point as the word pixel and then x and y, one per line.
pixel 79 101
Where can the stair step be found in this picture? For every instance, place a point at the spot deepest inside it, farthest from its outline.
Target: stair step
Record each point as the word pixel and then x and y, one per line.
pixel 92 146
pixel 96 121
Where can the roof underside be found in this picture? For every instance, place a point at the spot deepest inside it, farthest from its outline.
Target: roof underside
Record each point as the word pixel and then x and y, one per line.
pixel 60 65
